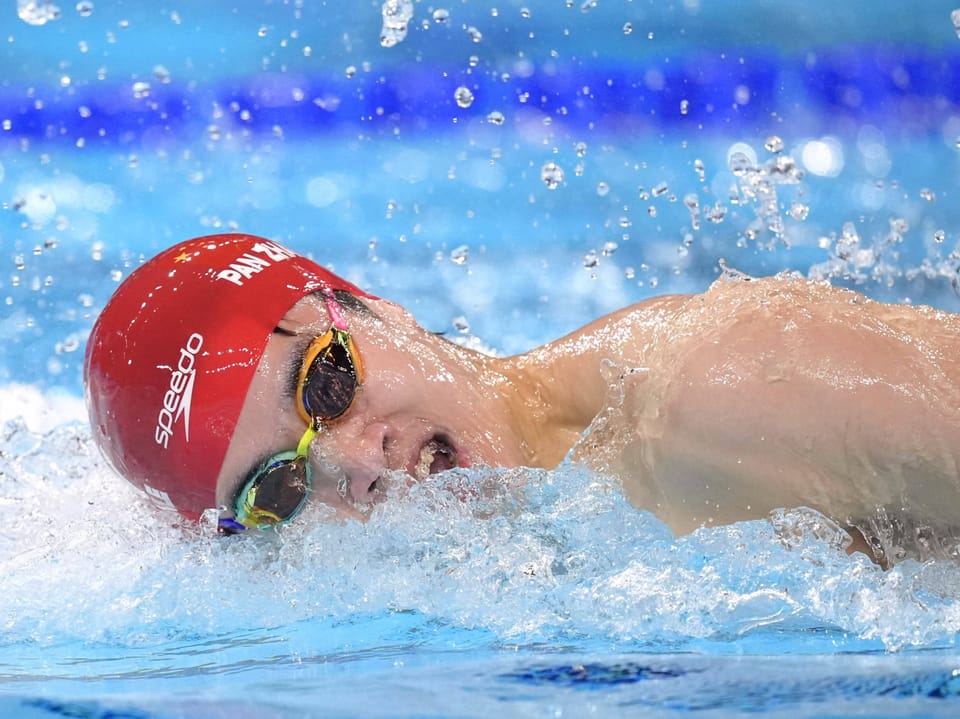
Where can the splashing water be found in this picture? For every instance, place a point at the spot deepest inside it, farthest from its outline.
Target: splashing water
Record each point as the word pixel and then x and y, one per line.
pixel 525 555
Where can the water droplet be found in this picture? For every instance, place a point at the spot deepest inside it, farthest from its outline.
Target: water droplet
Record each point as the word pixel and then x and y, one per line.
pixel 496 118
pixel 85 8
pixel 463 96
pixel 799 211
pixel 440 15
pixel 396 21
pixel 552 175
pixel 161 74
pixel 700 169
pixel 740 164
pixel 715 213
pixel 37 12
pixel 774 144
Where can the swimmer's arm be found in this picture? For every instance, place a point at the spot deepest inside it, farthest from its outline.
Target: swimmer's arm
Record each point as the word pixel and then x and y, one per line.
pixel 799 401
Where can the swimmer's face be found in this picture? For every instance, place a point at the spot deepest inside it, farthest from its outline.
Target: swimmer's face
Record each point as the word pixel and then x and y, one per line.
pixel 415 411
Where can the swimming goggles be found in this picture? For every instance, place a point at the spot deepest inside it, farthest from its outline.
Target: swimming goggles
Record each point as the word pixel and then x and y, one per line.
pixel 330 375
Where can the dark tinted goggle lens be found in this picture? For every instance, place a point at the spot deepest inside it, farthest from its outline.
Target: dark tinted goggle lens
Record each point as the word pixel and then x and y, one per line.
pixel 275 495
pixel 282 489
pixel 330 383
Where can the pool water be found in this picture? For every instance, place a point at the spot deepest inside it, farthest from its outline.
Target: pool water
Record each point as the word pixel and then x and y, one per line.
pixel 508 174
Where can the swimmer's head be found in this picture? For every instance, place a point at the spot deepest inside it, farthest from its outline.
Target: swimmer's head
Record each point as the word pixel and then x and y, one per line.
pixel 171 357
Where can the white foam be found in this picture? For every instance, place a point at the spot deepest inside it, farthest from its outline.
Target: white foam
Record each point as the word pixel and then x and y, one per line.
pixel 40 411
pixel 523 555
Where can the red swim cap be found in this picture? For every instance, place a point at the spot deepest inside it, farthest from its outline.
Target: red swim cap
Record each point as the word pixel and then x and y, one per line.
pixel 172 354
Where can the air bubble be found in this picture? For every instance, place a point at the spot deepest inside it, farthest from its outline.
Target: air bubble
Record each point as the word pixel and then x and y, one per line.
pixel 141 89
pixel 927 194
pixel 580 149
pixel 475 35
pixel 684 107
pixel 463 96
pixel 460 255
pixel 660 189
pixel 955 19
pixel 440 15
pixel 591 260
pixel 603 189
pixel 496 118
pixel 628 28
pixel 939 236
pixel 552 175
pixel 84 8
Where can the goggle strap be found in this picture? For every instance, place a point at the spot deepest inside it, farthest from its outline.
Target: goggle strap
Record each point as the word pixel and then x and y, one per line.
pixel 303 447
pixel 335 310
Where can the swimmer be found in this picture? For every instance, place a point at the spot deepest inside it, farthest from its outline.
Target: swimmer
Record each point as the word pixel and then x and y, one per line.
pixel 231 372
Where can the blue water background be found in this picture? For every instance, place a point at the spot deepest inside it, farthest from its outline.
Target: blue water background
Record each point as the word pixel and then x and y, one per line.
pixel 138 125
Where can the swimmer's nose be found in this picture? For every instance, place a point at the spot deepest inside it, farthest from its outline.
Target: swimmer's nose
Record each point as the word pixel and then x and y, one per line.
pixel 353 462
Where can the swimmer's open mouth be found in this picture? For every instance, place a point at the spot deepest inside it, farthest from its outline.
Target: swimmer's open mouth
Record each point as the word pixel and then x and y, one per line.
pixel 435 456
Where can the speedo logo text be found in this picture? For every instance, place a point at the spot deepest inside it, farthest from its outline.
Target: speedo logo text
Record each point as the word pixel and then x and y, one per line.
pixel 177 398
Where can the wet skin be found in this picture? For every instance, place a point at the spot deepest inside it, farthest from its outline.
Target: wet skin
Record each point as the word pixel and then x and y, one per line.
pixel 423 401
pixel 715 408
